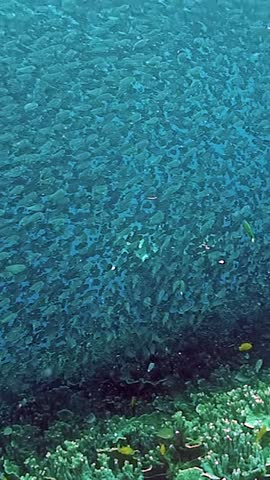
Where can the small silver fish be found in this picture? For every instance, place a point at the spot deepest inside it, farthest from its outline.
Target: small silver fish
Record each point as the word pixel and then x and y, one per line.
pixel 151 366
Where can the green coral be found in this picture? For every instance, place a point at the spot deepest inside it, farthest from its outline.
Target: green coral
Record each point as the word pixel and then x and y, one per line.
pixel 69 463
pixel 190 474
pixel 232 449
pixel 205 432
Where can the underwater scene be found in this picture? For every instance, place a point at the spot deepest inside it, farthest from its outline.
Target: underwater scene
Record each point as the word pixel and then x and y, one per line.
pixel 135 240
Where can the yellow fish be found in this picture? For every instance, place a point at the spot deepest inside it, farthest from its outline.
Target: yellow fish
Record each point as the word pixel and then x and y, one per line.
pixel 245 347
pixel 162 449
pixel 260 433
pixel 126 450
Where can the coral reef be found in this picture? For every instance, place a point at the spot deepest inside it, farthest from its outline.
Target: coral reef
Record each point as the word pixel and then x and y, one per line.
pixel 202 434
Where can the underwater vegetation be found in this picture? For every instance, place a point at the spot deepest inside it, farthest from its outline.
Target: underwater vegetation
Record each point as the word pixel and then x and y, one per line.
pixel 202 434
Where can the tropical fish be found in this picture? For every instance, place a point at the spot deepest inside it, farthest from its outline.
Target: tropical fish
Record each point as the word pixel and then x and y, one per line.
pixel 126 450
pixel 245 347
pixel 151 367
pixel 162 449
pixel 260 433
pixel 249 231
pixel 258 365
pixel 133 404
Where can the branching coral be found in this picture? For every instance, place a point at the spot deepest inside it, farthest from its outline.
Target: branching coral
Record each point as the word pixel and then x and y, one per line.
pixel 209 435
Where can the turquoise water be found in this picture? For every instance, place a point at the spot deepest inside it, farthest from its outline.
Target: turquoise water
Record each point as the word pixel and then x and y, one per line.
pixel 134 144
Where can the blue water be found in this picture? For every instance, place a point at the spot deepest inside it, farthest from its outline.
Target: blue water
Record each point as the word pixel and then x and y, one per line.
pixel 135 142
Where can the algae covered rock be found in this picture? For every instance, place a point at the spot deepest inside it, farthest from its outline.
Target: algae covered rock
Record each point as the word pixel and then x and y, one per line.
pixel 190 474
